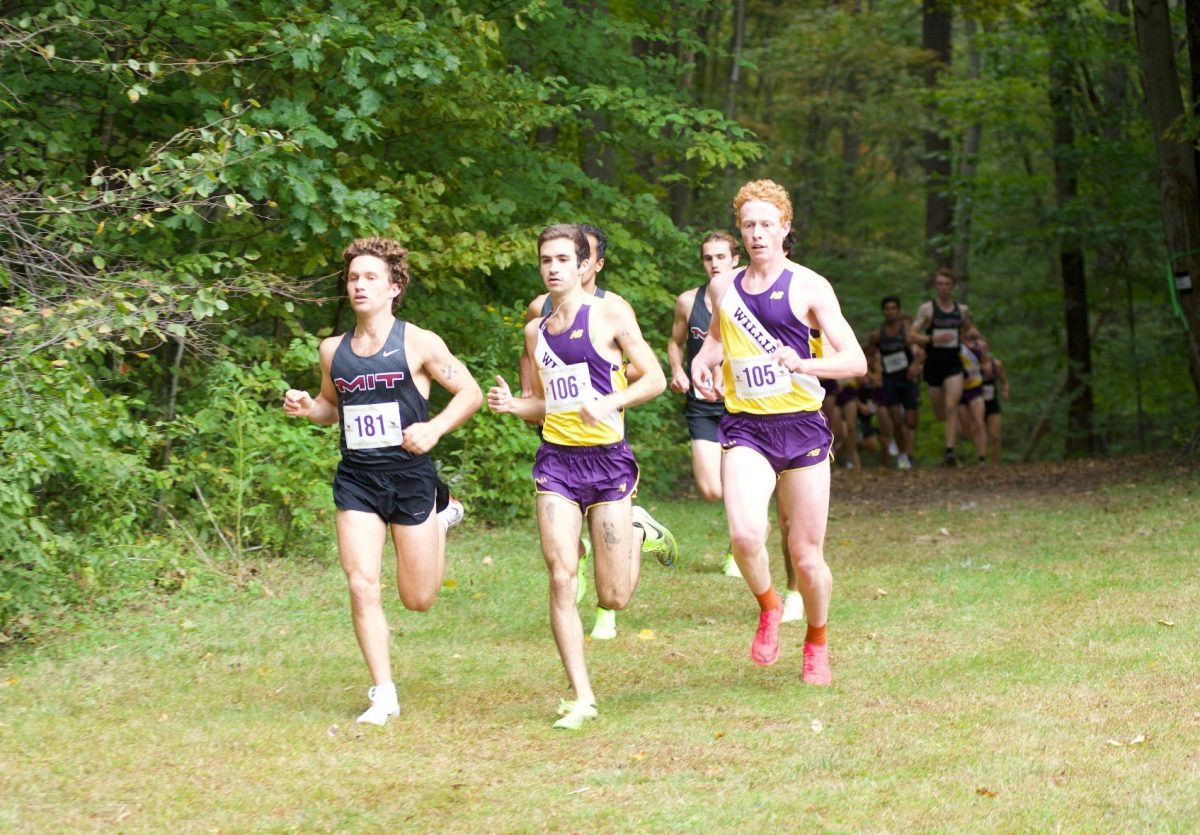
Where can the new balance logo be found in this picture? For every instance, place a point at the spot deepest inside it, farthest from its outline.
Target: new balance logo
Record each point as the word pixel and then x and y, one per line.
pixel 813 453
pixel 777 295
pixel 577 333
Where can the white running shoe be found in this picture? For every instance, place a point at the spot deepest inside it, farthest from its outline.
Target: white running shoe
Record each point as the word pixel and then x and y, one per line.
pixel 893 450
pixel 451 514
pixel 605 627
pixel 793 607
pixel 902 462
pixel 384 705
pixel 574 714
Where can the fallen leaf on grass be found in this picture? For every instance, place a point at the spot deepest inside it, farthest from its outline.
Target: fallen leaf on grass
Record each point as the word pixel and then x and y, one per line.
pixel 944 531
pixel 1137 740
pixel 646 635
pixel 9 682
pixel 817 726
pixel 479 595
pixel 880 593
pixel 984 791
pixel 640 755
pixel 450 583
pixel 187 626
pixel 1167 622
pixel 331 731
pixel 718 734
pixel 487 560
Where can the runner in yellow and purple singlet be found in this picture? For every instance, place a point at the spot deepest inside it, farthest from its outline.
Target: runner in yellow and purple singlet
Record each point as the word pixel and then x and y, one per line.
pixel 758 355
pixel 584 470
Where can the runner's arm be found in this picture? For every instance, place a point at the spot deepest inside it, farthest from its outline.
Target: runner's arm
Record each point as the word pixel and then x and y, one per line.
pixel 322 409
pixel 675 345
pixel 924 317
pixel 650 381
pixel 451 374
pixel 531 408
pixel 707 375
pixel 847 359
pixel 527 369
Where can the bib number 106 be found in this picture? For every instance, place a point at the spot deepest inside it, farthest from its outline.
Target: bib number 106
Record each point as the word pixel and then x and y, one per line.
pixel 562 388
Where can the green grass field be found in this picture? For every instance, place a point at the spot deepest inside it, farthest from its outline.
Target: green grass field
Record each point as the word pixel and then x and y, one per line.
pixel 1012 650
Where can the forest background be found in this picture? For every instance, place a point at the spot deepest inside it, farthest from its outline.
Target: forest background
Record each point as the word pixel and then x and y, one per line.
pixel 179 179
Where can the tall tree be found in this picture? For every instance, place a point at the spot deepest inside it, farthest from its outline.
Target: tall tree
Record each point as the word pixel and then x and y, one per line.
pixel 936 38
pixel 1176 163
pixel 968 162
pixel 1064 95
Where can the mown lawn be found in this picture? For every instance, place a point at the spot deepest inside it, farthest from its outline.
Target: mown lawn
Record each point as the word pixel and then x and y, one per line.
pixel 1010 652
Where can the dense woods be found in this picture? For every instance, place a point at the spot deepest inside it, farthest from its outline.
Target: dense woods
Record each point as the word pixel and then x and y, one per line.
pixel 179 179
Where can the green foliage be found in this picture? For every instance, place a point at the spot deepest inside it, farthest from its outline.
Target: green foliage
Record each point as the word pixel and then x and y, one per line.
pixel 252 478
pixel 76 489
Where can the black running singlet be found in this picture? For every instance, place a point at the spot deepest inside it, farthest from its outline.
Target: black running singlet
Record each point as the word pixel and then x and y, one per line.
pixel 894 352
pixel 377 398
pixel 944 322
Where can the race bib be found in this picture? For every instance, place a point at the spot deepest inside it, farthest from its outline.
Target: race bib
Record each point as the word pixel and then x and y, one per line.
pixel 372 426
pixel 566 387
pixel 944 338
pixel 758 377
pixel 989 391
pixel 895 361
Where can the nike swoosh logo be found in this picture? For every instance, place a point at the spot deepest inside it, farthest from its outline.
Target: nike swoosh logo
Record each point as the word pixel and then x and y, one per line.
pixel 393 351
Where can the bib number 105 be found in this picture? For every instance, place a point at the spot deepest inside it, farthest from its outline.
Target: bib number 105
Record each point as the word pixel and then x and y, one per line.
pixel 760 376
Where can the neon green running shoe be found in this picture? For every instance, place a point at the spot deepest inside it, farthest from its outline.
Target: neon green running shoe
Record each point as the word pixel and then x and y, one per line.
pixel 657 540
pixel 574 714
pixel 731 567
pixel 605 627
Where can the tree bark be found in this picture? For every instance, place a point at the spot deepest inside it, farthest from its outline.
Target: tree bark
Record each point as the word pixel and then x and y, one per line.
pixel 1192 16
pixel 972 140
pixel 936 30
pixel 1064 94
pixel 1176 163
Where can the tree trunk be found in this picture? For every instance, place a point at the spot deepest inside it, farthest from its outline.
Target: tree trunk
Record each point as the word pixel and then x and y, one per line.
pixel 1176 163
pixel 1192 9
pixel 1063 97
pixel 972 139
pixel 939 212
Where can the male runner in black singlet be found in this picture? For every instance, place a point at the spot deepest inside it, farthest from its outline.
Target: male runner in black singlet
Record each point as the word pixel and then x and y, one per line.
pixel 897 362
pixel 719 252
pixel 375 382
pixel 938 328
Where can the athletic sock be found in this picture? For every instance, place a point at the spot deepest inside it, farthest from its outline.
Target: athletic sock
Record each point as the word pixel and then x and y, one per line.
pixel 769 599
pixel 815 634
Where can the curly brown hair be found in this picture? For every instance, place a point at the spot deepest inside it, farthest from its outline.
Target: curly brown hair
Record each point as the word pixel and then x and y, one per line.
pixel 388 251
